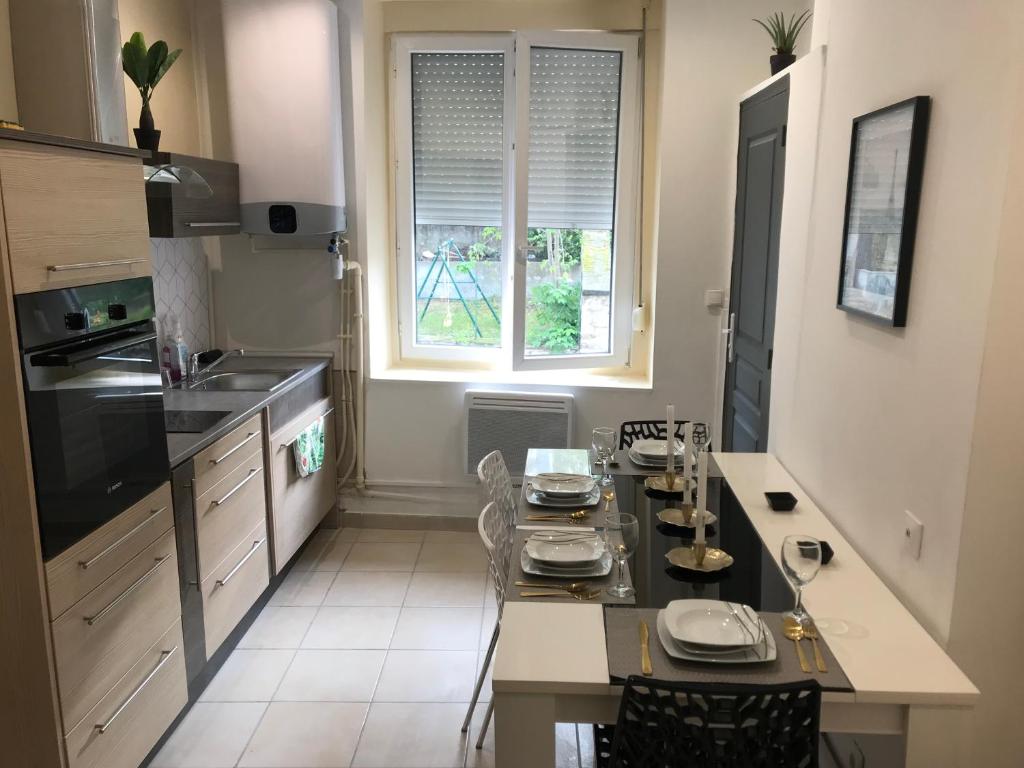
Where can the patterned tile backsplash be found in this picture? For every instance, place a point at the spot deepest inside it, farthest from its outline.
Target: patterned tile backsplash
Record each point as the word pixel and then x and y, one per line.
pixel 181 287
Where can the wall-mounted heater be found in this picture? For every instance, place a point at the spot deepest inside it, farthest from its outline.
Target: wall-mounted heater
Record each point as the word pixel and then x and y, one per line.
pixel 284 105
pixel 514 422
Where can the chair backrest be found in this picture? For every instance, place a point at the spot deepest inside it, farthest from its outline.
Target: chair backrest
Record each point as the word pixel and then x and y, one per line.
pixel 498 539
pixel 717 726
pixel 497 484
pixel 655 429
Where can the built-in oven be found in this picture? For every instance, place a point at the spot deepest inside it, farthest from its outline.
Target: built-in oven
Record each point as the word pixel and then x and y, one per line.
pixel 94 402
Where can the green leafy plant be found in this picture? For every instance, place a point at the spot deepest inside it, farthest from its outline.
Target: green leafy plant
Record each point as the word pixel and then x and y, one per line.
pixel 554 323
pixel 784 32
pixel 146 67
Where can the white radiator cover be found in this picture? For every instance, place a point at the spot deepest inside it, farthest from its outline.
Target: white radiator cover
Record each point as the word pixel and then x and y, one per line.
pixel 514 422
pixel 284 104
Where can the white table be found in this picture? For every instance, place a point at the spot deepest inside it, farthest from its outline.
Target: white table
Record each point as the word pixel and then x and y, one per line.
pixel 551 664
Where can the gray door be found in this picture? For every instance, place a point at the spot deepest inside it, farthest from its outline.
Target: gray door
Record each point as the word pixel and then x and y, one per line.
pixel 755 266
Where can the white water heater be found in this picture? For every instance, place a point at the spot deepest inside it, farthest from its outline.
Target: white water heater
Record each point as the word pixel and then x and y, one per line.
pixel 284 106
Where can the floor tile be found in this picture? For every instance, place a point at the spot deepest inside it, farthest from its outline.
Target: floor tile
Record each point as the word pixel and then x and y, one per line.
pixel 248 675
pixel 487 627
pixel 446 590
pixel 314 549
pixel 305 735
pixel 368 588
pixel 348 534
pixel 444 629
pixel 210 736
pixel 389 535
pixel 485 689
pixel 366 556
pixel 302 588
pixel 332 556
pixel 490 601
pixel 452 552
pixel 352 628
pixel 430 737
pixel 278 627
pixel 331 676
pixel 427 676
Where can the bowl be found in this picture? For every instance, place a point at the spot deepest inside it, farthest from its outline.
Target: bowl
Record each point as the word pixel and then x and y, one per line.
pixel 780 501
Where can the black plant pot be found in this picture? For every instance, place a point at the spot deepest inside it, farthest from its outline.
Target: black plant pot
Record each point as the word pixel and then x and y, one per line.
pixel 146 136
pixel 780 61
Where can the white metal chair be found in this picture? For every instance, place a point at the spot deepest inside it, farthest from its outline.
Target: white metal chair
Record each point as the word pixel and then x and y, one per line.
pixel 497 483
pixel 497 537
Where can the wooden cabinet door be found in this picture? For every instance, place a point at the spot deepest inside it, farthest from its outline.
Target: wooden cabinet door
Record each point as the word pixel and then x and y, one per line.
pixel 73 217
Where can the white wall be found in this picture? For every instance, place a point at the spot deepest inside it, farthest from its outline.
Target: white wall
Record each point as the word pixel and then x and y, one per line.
pixel 713 52
pixel 874 421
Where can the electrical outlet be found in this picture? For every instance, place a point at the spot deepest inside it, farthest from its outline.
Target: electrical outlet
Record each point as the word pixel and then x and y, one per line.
pixel 913 535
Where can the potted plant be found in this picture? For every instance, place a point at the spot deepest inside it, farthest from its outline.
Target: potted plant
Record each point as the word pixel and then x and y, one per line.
pixel 146 67
pixel 783 33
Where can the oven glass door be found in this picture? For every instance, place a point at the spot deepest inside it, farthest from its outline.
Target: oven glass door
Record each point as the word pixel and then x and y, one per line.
pixel 96 425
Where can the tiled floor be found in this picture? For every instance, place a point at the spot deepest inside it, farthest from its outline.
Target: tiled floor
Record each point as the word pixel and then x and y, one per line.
pixel 366 656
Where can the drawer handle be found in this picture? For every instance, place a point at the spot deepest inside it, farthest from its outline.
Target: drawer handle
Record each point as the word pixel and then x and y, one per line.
pixel 165 656
pixel 255 546
pixel 200 224
pixel 219 459
pixel 323 415
pixel 87 564
pixel 93 264
pixel 233 491
pixel 90 620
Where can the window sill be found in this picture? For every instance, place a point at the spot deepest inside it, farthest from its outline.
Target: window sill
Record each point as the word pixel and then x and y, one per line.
pixel 572 378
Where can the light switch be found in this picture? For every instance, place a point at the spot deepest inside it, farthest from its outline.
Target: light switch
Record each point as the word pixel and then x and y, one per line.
pixel 714 298
pixel 913 535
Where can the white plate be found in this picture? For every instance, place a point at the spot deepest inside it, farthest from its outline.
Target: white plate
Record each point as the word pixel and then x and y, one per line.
pixel 561 485
pixel 601 568
pixel 711 623
pixel 565 553
pixel 656 449
pixel 655 463
pixel 537 498
pixel 763 651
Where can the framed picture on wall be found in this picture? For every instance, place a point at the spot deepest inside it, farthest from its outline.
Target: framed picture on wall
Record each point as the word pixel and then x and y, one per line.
pixel 883 189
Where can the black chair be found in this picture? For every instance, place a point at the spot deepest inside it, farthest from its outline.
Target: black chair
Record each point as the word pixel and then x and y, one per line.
pixel 690 725
pixel 653 429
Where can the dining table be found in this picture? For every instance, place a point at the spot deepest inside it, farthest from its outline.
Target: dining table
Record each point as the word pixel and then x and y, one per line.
pixel 565 660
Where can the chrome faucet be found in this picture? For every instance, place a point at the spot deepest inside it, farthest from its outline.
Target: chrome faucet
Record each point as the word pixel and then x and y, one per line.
pixel 193 364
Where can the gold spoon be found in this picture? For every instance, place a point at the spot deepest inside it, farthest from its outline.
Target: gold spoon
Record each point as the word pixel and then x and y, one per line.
pixel 575 595
pixel 793 631
pixel 576 586
pixel 811 632
pixel 569 516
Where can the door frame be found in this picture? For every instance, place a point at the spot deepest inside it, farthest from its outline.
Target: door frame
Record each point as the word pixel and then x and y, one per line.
pixel 761 92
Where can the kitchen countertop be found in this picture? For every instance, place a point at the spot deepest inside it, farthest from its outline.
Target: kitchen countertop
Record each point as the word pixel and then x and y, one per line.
pixel 242 405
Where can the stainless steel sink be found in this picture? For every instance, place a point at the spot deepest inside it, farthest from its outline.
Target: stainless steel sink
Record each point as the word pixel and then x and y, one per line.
pixel 192 421
pixel 251 380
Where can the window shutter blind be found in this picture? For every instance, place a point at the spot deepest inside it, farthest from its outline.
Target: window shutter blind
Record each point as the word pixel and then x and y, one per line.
pixel 574 125
pixel 457 114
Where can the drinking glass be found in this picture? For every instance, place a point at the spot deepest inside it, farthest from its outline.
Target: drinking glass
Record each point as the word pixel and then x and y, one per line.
pixel 621 535
pixel 801 560
pixel 604 446
pixel 701 436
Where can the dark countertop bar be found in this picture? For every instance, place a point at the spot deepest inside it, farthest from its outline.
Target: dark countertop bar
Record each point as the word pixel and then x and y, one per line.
pixel 242 405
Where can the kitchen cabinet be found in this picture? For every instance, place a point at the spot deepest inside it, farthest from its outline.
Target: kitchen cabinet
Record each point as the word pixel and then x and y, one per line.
pixel 72 217
pixel 190 196
pixel 231 589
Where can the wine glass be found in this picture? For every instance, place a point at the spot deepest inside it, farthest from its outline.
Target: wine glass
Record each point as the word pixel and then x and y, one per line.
pixel 801 561
pixel 603 440
pixel 701 436
pixel 621 535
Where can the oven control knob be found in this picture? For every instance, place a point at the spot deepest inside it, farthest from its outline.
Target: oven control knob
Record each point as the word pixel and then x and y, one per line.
pixel 76 321
pixel 117 312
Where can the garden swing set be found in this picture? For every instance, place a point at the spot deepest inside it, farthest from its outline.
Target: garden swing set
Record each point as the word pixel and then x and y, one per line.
pixel 442 259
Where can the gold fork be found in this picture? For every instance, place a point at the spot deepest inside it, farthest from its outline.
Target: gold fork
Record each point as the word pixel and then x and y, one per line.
pixel 811 633
pixel 574 595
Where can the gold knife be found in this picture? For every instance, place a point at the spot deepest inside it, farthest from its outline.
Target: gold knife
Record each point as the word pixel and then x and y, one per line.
pixel 645 651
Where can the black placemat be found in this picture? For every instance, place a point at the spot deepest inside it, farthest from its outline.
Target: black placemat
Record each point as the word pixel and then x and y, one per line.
pixel 622 637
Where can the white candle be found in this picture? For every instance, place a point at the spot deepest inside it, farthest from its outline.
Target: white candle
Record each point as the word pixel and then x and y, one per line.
pixel 702 493
pixel 687 448
pixel 670 456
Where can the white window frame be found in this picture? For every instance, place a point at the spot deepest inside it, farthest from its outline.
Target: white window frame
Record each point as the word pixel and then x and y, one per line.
pixel 516 50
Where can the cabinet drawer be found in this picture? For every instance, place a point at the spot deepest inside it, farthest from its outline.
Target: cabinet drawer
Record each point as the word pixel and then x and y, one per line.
pixel 230 591
pixel 123 727
pixel 78 570
pixel 300 503
pixel 100 637
pixel 214 463
pixel 232 507
pixel 73 217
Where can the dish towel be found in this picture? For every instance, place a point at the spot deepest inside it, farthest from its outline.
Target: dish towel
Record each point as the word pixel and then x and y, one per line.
pixel 308 448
